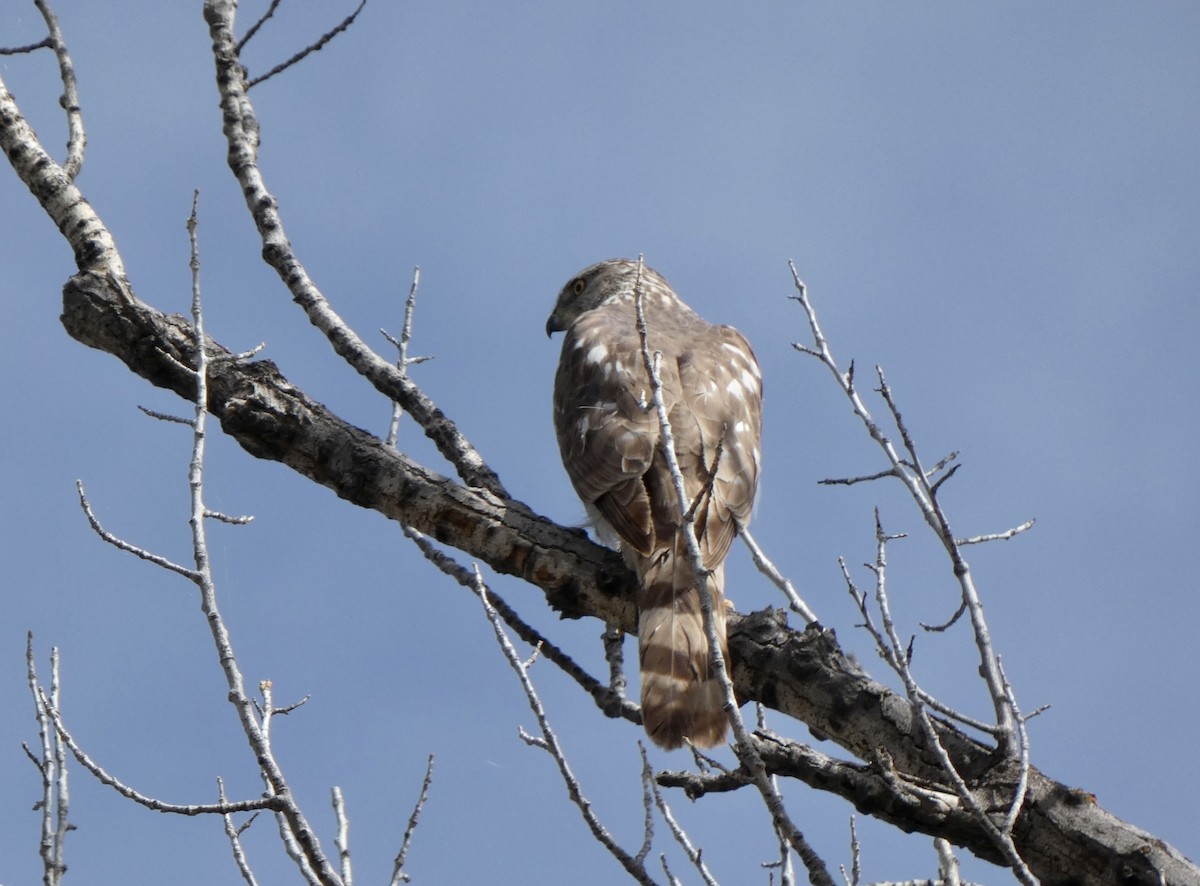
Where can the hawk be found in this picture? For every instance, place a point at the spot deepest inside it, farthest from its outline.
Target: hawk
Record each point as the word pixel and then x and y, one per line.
pixel 609 436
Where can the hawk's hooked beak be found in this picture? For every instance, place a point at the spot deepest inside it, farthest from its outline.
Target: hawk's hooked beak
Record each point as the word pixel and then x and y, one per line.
pixel 552 325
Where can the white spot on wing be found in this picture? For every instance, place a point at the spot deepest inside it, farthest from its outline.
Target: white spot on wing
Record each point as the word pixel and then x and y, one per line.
pixel 597 354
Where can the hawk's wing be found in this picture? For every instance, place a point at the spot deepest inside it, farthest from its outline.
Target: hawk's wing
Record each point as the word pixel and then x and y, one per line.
pixel 605 432
pixel 718 422
pixel 608 431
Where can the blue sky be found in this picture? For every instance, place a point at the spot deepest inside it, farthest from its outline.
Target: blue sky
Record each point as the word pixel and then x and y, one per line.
pixel 999 204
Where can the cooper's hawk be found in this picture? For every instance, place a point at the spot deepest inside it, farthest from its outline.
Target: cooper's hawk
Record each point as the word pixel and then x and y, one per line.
pixel 608 433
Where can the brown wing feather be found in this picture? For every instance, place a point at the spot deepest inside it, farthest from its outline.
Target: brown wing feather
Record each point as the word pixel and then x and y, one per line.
pixel 607 437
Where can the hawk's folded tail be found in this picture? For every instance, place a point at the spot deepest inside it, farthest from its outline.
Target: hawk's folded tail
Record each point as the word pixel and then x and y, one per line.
pixel 681 699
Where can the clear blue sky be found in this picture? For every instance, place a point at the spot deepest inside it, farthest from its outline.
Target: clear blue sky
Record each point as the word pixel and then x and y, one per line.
pixel 1000 204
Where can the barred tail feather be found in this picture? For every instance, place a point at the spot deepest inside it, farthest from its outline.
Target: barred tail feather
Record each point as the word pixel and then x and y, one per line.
pixel 681 699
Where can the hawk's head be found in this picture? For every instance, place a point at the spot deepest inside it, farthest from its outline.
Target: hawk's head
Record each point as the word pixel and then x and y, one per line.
pixel 593 286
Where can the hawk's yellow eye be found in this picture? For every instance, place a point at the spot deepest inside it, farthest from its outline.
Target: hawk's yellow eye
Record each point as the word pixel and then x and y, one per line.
pixel 578 286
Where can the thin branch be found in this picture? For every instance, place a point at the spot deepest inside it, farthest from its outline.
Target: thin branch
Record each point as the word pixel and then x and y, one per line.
pixel 141 799
pixel 69 100
pixel 947 863
pixel 234 834
pixel 262 20
pixel 942 462
pixel 614 653
pixel 44 43
pixel 403 361
pixel 164 416
pixel 1018 799
pixel 293 824
pixel 787 876
pixel 948 623
pixel 52 766
pixel 926 498
pixel 916 481
pixel 121 544
pixel 242 130
pixel 398 875
pixel 855 876
pixel 648 795
pixel 694 855
pixel 608 702
pixel 933 490
pixel 743 746
pixel 895 654
pixel 997 536
pixel 242 520
pixel 548 741
pixel 342 837
pixel 308 50
pixel 767 568
pixel 851 481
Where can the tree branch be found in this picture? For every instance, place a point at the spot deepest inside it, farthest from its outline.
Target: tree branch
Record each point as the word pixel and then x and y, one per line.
pixel 242 133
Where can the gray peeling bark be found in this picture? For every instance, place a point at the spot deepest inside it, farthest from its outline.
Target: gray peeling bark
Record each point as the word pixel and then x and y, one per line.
pixel 1062 834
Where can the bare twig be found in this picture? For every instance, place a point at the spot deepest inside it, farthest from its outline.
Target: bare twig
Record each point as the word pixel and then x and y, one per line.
pixel 262 20
pixel 44 43
pixel 947 863
pixel 308 50
pixel 548 742
pixel 948 623
pixel 234 833
pixel 403 361
pixel 398 875
pixel 69 100
pixel 855 875
pixel 52 765
pixel 606 700
pixel 694 855
pixel 648 795
pixel 787 876
pixel 164 416
pixel 242 133
pixel 767 568
pixel 896 655
pixel 1007 730
pixel 931 509
pixel 241 520
pixel 141 799
pixel 996 536
pixel 851 481
pixel 1018 799
pixel 342 838
pixel 614 653
pixel 743 746
pixel 916 481
pixel 121 544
